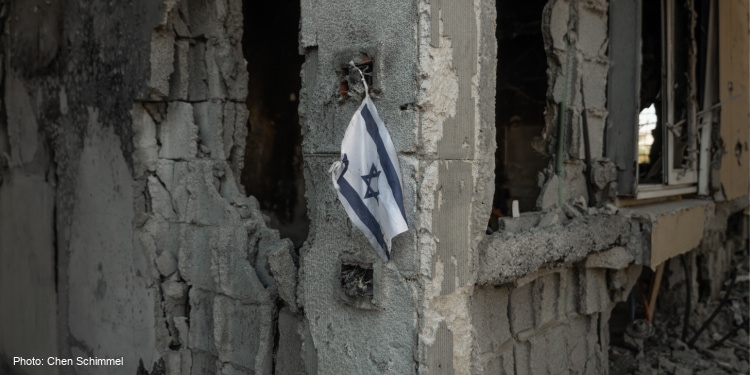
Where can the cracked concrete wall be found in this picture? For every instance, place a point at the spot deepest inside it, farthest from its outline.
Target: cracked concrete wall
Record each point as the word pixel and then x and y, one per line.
pixel 65 182
pixel 575 35
pixel 122 142
pixel 126 232
pixel 219 274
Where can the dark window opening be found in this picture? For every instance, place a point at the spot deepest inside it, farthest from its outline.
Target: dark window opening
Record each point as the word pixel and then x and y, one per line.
pixel 273 154
pixel 521 100
pixel 650 127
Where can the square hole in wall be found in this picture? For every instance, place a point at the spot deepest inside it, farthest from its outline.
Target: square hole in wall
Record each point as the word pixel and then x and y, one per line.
pixel 357 279
pixel 350 77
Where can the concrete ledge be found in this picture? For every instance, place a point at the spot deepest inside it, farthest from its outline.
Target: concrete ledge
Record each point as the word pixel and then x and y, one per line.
pixel 670 228
pixel 505 257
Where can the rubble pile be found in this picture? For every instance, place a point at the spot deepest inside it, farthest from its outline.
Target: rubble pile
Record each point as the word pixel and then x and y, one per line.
pixel 721 347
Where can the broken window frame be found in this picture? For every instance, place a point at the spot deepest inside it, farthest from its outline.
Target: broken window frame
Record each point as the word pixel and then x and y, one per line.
pixel 623 102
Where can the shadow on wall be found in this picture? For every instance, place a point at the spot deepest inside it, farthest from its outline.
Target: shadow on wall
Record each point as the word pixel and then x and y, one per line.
pixel 273 154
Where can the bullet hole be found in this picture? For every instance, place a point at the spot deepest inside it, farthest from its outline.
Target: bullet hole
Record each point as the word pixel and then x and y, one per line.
pixel 356 279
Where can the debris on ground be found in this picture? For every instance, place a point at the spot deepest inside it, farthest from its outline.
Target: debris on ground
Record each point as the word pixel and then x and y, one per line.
pixel 721 347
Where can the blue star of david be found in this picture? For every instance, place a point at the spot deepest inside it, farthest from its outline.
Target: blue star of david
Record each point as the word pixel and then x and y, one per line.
pixel 373 175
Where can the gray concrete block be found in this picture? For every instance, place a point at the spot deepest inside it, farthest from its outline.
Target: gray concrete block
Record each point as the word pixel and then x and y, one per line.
pixel 183 330
pixel 234 274
pixel 284 272
pixel 177 362
pixel 179 189
pixel 546 297
pixel 243 334
pixel 268 241
pixel 526 221
pixel 161 200
pixel 489 313
pixel 546 355
pixel 577 342
pixel 201 335
pixel 592 33
pixel 205 205
pixel 595 88
pixel 145 149
pixel 204 364
pixel 574 186
pixel 603 172
pixel 145 243
pixel 569 292
pixel 289 356
pixel 166 263
pixel 621 281
pixel 594 296
pixel 179 21
pixel 161 62
pixel 204 19
pixel 615 258
pixel 235 116
pixel 522 309
pixel 175 297
pixel 522 358
pixel 178 133
pixel 197 72
pixel 209 117
pixel 550 218
pixel 228 128
pixel 179 82
pixel 166 237
pixel 229 369
pixel 309 352
pixel 217 57
pixel 597 122
pixel 195 256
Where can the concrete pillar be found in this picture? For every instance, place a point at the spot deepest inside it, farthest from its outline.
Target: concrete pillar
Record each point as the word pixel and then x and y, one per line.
pixel 433 85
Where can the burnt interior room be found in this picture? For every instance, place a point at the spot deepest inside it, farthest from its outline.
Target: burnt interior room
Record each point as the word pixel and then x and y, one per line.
pixel 521 99
pixel 273 155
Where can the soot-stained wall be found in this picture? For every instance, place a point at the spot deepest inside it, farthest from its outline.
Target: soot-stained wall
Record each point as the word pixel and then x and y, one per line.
pixel 126 232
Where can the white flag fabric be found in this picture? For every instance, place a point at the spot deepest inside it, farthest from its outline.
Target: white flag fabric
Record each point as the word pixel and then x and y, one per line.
pixel 368 179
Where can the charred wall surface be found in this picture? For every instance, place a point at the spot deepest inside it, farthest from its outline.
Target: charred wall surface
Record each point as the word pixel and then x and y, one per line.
pixel 125 230
pixel 69 78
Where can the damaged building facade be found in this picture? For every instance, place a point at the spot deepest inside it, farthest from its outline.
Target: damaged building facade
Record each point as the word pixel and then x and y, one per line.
pixel 162 200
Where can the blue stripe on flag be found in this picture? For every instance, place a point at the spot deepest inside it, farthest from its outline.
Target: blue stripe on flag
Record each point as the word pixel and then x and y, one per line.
pixel 359 207
pixel 385 161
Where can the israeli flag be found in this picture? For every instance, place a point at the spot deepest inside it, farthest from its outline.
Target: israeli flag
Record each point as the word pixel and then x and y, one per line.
pixel 368 179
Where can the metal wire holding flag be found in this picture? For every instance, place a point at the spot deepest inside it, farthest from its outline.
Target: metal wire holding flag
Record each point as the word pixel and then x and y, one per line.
pixel 368 178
